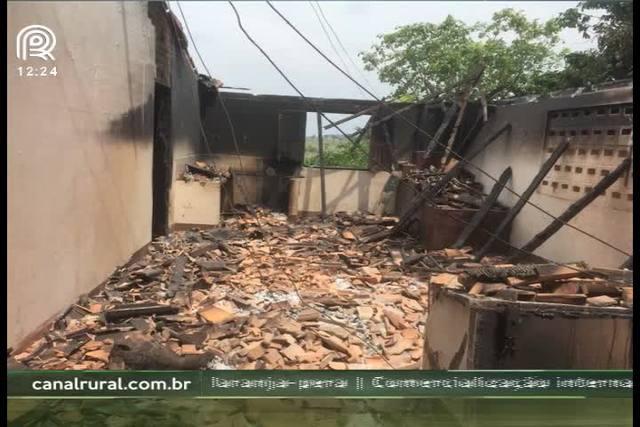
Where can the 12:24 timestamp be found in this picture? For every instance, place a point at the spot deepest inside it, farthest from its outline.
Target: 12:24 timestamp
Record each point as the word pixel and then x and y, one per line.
pixel 30 71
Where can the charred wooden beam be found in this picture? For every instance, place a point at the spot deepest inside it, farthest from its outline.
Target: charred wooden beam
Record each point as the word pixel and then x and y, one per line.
pixel 125 311
pixel 575 208
pixel 435 141
pixel 628 264
pixel 524 198
pixel 482 213
pixel 200 171
pixel 429 192
pixel 249 102
pixel 176 275
pixel 463 106
pixel 573 299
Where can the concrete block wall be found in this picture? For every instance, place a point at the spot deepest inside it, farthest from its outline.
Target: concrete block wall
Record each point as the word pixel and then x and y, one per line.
pixel 524 150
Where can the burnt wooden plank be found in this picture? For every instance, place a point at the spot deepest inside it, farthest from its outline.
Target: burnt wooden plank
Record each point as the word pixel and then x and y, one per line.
pixel 441 185
pixel 482 213
pixel 628 264
pixel 575 208
pixel 463 106
pixel 125 311
pixel 573 299
pixel 435 141
pixel 201 171
pixel 176 275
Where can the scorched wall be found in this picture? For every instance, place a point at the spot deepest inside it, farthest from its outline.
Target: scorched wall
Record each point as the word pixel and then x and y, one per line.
pixel 79 154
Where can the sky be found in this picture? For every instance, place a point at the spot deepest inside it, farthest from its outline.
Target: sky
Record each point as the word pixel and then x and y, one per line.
pixel 233 59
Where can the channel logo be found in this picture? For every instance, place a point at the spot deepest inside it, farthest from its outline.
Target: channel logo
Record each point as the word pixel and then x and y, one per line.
pixel 35 41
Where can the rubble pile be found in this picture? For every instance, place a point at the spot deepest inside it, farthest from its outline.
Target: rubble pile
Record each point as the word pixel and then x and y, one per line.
pixel 574 284
pixel 255 293
pixel 205 172
pixel 260 292
pixel 462 192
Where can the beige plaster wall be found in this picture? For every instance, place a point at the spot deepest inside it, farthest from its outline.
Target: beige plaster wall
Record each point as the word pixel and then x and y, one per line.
pixel 347 190
pixel 196 203
pixel 79 154
pixel 523 151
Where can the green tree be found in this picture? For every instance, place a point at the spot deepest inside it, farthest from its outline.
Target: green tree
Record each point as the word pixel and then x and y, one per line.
pixel 611 24
pixel 338 152
pixel 425 59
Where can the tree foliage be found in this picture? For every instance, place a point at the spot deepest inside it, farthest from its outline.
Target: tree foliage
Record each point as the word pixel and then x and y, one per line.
pixel 519 56
pixel 338 152
pixel 426 59
pixel 613 30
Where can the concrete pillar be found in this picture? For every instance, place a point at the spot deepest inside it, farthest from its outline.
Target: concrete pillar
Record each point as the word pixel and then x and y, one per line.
pixel 294 191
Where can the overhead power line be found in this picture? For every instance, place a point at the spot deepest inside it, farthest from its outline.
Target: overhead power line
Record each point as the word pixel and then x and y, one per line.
pixel 443 145
pixel 428 198
pixel 355 66
pixel 333 46
pixel 258 222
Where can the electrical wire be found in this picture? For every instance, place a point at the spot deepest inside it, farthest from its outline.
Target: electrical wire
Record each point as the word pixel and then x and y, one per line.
pixel 345 327
pixel 297 290
pixel 449 150
pixel 355 66
pixel 313 106
pixel 333 46
pixel 429 198
pixel 432 200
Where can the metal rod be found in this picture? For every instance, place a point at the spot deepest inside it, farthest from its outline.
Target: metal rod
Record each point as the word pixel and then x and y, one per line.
pixel 323 194
pixel 513 212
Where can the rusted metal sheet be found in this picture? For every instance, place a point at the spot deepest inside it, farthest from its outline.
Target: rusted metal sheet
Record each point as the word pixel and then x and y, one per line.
pixel 440 227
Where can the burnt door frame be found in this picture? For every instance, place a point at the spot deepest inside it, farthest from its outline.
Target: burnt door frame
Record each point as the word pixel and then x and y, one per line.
pixel 162 160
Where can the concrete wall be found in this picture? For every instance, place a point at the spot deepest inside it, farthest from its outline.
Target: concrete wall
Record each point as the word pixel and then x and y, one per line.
pixel 524 151
pixel 405 137
pixel 196 203
pixel 269 139
pixel 187 141
pixel 462 332
pixel 186 133
pixel 261 129
pixel 79 154
pixel 346 190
